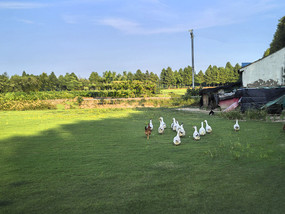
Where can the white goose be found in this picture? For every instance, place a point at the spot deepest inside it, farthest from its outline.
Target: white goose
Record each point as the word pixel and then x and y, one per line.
pixel 150 125
pixel 182 131
pixel 202 131
pixel 196 134
pixel 177 140
pixel 163 123
pixel 236 126
pixel 177 126
pixel 161 128
pixel 172 124
pixel 208 128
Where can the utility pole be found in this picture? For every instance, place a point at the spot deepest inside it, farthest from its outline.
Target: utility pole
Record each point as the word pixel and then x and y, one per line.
pixel 192 45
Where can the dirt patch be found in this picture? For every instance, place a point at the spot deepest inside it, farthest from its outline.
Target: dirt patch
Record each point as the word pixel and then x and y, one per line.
pixel 89 103
pixel 195 110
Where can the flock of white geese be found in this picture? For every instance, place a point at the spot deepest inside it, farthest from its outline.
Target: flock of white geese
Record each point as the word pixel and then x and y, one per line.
pixel 180 132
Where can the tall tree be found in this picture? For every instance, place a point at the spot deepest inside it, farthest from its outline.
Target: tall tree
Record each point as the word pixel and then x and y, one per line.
pixel 215 75
pixel 53 82
pixel 153 77
pixel 44 82
pixel 109 76
pixel 130 76
pixel 139 75
pixel 237 76
pixel 278 41
pixel 94 77
pixel 178 79
pixel 16 83
pixel 187 76
pixel 200 78
pixel 167 77
pixel 125 76
pixel 4 83
pixel 209 76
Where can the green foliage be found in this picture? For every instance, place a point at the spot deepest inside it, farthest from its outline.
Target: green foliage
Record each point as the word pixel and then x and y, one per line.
pixel 26 105
pixel 267 52
pixel 278 41
pixel 232 115
pixel 191 92
pixel 79 100
pixel 251 114
pixel 142 83
pixel 256 114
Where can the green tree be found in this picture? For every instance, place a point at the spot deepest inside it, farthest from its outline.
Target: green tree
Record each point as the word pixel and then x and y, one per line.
pixel 30 83
pixel 130 76
pixel 153 77
pixel 44 82
pixel 53 82
pixel 209 76
pixel 223 75
pixel 15 83
pixel 24 74
pixel 237 76
pixel 167 77
pixel 178 79
pixel 200 78
pixel 187 76
pixel 124 76
pixel 4 83
pixel 109 76
pixel 215 75
pixel 278 41
pixel 147 75
pixel 139 75
pixel 69 82
pixel 62 83
pixel 94 77
pixel 279 37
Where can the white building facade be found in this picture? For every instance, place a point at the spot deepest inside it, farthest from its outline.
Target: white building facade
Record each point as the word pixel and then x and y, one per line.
pixel 266 72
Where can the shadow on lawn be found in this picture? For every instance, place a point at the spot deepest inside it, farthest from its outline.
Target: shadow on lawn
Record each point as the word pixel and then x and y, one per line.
pixel 37 167
pixel 107 165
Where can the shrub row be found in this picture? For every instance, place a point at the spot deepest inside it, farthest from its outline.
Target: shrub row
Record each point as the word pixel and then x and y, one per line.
pixel 50 95
pixel 26 105
pixel 252 114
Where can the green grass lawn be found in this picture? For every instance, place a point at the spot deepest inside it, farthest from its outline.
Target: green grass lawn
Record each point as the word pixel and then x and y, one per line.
pixel 99 161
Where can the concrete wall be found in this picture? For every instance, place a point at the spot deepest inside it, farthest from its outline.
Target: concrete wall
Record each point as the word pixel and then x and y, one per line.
pixel 266 72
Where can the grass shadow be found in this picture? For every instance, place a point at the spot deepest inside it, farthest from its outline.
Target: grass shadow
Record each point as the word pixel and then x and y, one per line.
pixel 108 166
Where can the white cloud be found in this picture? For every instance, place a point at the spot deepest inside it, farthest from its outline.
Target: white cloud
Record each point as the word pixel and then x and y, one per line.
pixel 26 21
pixel 123 25
pixel 20 5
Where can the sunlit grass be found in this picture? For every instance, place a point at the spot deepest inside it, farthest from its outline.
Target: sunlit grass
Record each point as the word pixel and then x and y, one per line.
pixel 99 161
pixel 25 123
pixel 179 91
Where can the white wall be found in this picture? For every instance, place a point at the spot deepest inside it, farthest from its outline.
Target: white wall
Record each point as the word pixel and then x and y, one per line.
pixel 266 72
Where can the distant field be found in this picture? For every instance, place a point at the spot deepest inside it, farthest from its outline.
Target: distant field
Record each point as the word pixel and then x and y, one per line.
pixel 179 91
pixel 99 161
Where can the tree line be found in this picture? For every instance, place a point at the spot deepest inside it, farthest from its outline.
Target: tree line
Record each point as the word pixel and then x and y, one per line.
pixel 111 80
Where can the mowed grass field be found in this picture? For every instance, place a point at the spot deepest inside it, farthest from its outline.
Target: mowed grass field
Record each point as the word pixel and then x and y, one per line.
pixel 99 161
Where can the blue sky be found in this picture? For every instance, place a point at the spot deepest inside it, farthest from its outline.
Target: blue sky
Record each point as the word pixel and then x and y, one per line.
pixel 83 36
